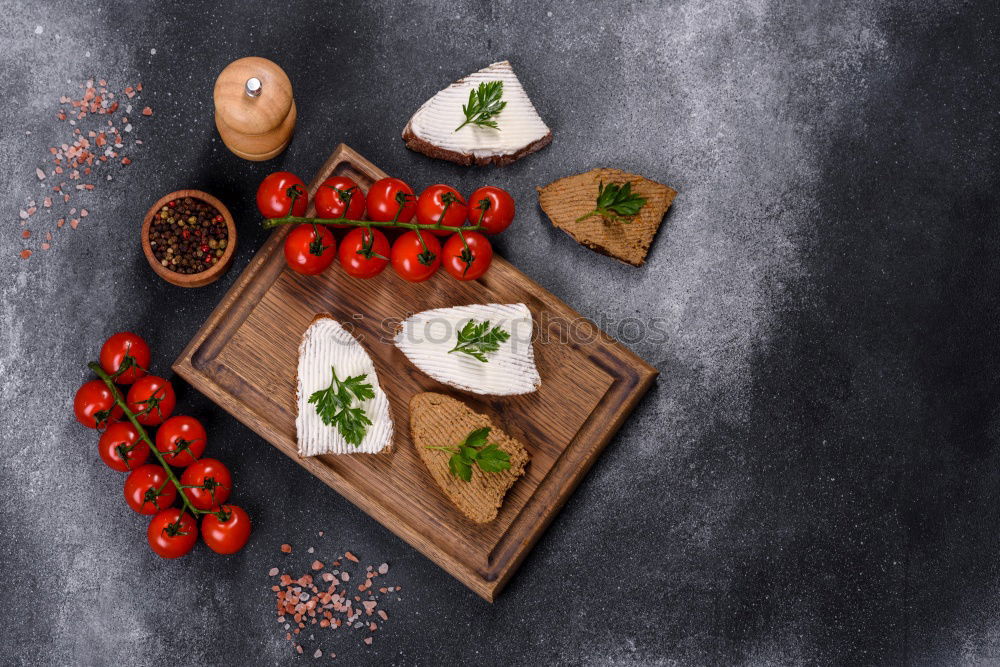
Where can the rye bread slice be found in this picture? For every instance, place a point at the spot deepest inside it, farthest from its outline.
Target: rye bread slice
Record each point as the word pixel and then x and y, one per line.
pixel 441 421
pixel 566 199
pixel 415 143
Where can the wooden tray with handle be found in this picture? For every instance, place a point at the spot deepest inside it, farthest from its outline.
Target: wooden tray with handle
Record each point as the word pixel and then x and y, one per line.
pixel 245 359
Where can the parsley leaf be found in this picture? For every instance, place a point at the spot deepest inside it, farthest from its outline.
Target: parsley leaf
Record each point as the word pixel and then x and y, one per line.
pixel 616 203
pixel 333 405
pixel 484 103
pixel 478 339
pixel 475 451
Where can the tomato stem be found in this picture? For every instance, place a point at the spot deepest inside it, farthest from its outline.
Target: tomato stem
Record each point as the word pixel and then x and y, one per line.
pixel 271 223
pixel 120 402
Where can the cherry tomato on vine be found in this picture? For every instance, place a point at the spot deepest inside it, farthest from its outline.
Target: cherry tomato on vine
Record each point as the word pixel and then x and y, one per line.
pixel 228 534
pixel 432 203
pixel 147 489
pixel 172 533
pixel 94 405
pixel 213 482
pixel 364 253
pixel 155 393
pixel 129 348
pixel 383 200
pixel 330 200
pixel 499 213
pixel 121 449
pixel 411 261
pixel 181 440
pixel 467 263
pixel 273 200
pixel 307 253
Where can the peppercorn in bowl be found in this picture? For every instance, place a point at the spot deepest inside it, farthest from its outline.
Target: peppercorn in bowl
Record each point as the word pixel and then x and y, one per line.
pixel 189 238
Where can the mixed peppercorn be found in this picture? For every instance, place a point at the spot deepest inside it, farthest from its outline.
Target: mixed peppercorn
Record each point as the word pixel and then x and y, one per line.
pixel 188 235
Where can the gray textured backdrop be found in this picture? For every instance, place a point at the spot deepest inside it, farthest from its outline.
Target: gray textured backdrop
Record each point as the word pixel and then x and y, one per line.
pixel 814 476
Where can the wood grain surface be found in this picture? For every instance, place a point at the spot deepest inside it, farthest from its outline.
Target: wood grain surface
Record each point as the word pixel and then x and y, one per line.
pixel 245 355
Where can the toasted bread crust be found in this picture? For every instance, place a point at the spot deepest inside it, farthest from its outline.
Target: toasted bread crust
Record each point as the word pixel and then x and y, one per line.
pixel 415 143
pixel 567 199
pixel 439 420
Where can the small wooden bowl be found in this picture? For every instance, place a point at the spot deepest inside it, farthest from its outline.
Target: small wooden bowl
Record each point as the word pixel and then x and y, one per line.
pixel 190 279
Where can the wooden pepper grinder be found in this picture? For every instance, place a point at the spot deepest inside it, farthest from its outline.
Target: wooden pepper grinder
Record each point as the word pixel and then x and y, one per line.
pixel 254 108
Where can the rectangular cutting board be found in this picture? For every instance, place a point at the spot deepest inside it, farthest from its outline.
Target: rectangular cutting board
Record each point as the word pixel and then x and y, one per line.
pixel 245 359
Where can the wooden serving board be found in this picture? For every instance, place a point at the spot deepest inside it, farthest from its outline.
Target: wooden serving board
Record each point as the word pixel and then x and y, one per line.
pixel 245 359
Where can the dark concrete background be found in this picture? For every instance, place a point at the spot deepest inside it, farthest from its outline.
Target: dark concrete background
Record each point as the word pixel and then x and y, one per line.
pixel 813 479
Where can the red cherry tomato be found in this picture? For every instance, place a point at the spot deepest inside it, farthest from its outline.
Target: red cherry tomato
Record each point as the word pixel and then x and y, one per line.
pixel 145 491
pixel 330 200
pixel 432 204
pixel 155 393
pixel 411 261
pixel 364 252
pixel 383 200
pixel 212 480
pixel 467 263
pixel 499 209
pixel 172 533
pixel 94 405
pixel 228 534
pixel 129 348
pixel 273 200
pixel 305 254
pixel 181 440
pixel 121 449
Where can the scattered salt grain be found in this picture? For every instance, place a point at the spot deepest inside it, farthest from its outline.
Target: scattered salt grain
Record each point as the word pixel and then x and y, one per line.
pixel 39 30
pixel 40 174
pixel 272 572
pixel 368 640
pixel 310 550
pixel 383 568
pixel 152 52
pixel 319 652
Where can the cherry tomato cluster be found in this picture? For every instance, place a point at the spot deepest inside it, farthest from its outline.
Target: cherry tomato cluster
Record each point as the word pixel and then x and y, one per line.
pixel 365 251
pixel 152 488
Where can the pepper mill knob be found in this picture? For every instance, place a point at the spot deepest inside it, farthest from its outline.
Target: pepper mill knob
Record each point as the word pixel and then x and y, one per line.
pixel 254 108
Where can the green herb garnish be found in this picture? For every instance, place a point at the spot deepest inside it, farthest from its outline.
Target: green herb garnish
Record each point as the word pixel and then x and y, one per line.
pixel 616 202
pixel 484 103
pixel 474 450
pixel 478 340
pixel 333 405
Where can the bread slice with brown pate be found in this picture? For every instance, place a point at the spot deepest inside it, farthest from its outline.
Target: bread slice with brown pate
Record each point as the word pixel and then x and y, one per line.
pixel 568 199
pixel 437 420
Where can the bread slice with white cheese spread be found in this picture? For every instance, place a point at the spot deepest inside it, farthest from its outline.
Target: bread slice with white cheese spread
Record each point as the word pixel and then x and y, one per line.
pixel 434 129
pixel 328 348
pixel 483 348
